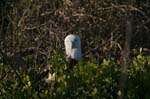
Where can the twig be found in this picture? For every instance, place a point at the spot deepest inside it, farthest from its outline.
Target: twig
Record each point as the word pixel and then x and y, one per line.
pixel 12 66
pixel 128 7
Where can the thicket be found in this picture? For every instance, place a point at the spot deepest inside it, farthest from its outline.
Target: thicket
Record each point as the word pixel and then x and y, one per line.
pixel 114 34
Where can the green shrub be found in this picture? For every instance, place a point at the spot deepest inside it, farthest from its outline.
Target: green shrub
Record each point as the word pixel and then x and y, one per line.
pixel 89 79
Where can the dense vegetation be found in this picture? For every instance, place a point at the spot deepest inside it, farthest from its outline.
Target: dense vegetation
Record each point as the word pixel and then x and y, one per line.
pixel 89 79
pixel 115 38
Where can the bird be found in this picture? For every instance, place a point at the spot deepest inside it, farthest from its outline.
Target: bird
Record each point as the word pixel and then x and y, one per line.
pixel 73 50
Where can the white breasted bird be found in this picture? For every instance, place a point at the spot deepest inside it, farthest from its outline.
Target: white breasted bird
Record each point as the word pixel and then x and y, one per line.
pixel 73 49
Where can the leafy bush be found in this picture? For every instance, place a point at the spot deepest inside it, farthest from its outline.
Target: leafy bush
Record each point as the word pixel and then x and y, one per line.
pixel 89 79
